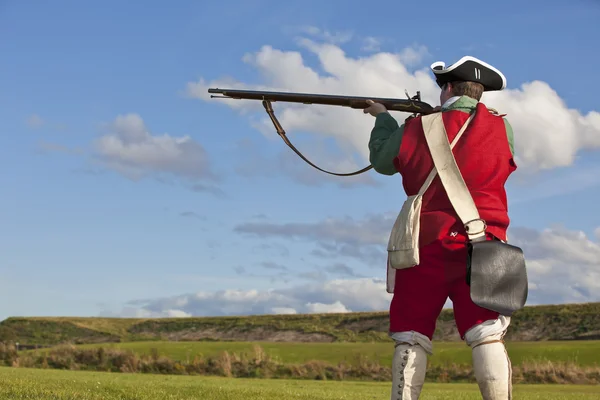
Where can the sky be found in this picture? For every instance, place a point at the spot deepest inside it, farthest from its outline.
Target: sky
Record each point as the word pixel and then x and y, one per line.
pixel 127 191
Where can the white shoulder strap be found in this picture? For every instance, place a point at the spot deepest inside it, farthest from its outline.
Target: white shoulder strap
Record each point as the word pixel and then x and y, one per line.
pixel 433 172
pixel 454 184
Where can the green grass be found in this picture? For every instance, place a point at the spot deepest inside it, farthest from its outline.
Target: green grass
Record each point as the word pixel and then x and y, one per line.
pixel 583 353
pixel 30 384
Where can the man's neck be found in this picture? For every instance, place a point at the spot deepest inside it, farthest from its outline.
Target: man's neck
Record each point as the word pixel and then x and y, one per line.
pixel 450 101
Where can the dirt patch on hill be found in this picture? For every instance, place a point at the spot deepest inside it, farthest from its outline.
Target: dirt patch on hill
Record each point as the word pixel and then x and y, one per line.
pixel 446 331
pixel 237 334
pixel 595 335
pixel 366 325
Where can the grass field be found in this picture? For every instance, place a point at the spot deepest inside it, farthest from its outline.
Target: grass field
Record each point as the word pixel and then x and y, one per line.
pixel 21 384
pixel 584 353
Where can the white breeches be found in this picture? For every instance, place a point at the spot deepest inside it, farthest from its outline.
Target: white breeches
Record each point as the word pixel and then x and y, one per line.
pixel 494 329
pixel 412 337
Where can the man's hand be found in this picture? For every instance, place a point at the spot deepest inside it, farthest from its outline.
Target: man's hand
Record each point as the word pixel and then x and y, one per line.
pixel 374 108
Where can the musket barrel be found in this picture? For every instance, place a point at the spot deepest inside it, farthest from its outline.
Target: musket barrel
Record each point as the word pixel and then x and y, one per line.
pixel 406 105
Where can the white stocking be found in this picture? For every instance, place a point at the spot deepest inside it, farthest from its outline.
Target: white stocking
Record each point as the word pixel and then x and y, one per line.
pixel 493 371
pixel 491 364
pixel 409 365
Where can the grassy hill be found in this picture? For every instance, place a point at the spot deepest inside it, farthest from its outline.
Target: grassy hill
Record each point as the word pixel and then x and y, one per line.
pixel 552 322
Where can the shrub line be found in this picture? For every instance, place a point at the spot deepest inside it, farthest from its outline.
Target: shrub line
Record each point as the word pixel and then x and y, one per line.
pixel 261 365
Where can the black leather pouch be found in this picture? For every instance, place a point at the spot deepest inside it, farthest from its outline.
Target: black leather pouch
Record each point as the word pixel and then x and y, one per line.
pixel 497 276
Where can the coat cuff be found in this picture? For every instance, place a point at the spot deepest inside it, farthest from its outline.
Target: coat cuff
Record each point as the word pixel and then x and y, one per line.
pixel 386 121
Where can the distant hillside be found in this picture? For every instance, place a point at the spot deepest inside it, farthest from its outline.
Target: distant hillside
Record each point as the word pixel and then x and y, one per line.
pixel 554 322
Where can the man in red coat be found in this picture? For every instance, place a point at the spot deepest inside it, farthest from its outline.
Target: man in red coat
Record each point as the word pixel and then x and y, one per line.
pixel 484 155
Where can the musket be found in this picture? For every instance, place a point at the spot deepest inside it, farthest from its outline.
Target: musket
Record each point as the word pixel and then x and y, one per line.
pixel 412 105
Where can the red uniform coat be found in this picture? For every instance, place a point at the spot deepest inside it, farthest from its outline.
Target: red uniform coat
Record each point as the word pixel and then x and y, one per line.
pixel 485 161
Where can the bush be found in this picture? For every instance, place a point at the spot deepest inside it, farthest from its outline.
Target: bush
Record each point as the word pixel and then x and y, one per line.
pixel 261 365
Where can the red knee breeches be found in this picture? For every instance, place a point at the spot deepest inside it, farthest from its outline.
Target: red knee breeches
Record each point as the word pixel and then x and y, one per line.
pixel 421 292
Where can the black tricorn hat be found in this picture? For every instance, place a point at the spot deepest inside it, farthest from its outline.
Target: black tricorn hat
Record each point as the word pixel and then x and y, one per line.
pixel 469 69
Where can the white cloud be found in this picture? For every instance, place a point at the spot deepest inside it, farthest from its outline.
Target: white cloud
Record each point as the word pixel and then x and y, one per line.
pixel 335 238
pixel 381 74
pixel 133 312
pixel 372 229
pixel 177 314
pixel 48 147
pixel 130 149
pixel 35 121
pixel 552 183
pixel 283 310
pixel 413 55
pixel 325 35
pixel 548 134
pixel 320 308
pixel 371 43
pixel 563 267
pixel 320 297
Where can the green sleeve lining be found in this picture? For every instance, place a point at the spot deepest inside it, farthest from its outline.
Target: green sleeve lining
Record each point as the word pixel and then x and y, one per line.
pixel 510 136
pixel 384 143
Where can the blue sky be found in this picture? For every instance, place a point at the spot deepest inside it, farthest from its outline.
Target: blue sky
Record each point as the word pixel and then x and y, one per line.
pixel 87 230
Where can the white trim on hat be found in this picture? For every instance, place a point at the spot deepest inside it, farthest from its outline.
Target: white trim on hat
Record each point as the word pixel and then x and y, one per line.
pixel 460 62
